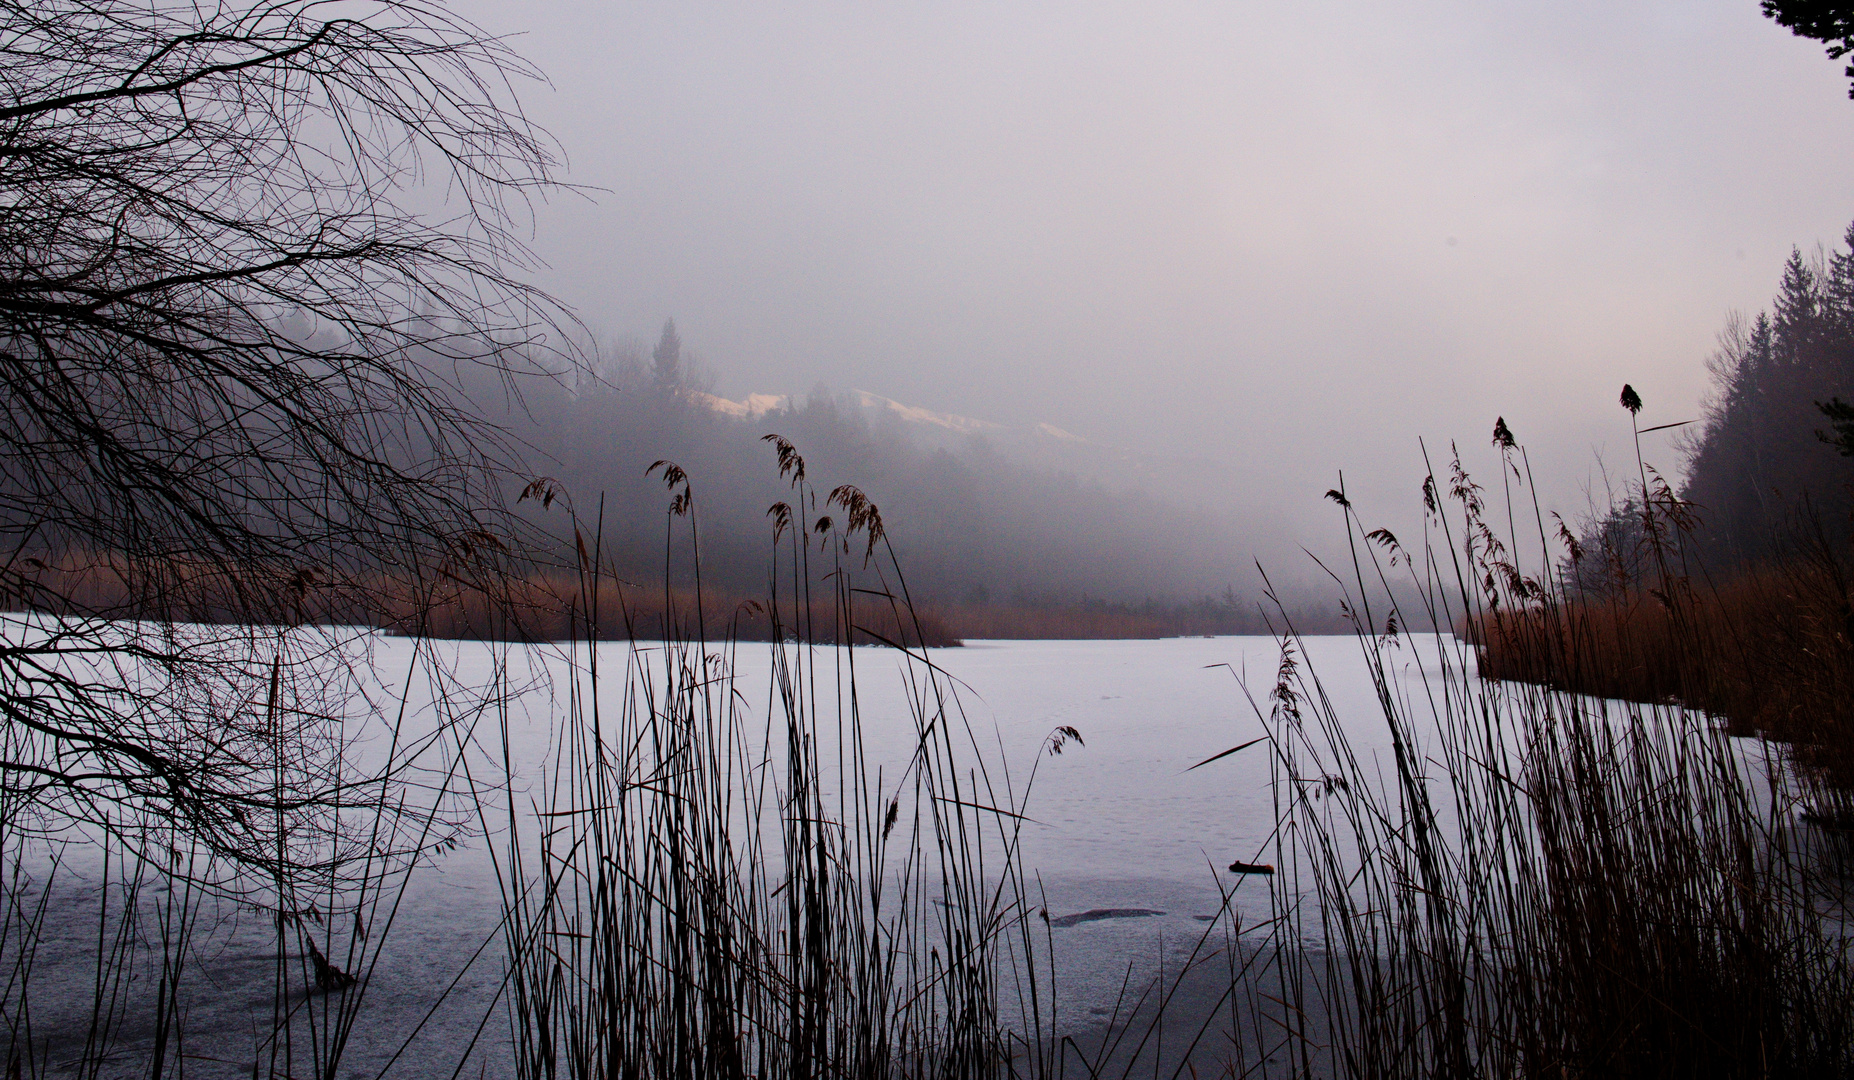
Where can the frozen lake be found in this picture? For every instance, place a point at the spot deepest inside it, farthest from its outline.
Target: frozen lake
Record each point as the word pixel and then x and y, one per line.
pixel 1119 822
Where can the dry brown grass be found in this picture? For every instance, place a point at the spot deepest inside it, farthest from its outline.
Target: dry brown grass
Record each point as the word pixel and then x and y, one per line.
pixel 1532 878
pixel 1100 620
pixel 1028 623
pixel 1770 651
pixel 548 607
pixel 537 606
pixel 541 605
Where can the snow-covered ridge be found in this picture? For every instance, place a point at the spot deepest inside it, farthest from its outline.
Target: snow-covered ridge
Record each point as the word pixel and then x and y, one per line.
pixel 916 415
pixel 1034 444
pixel 754 406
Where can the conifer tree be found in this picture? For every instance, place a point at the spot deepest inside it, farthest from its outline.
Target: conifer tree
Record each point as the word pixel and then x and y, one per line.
pixel 668 356
pixel 1821 20
pixel 1838 290
pixel 1758 468
pixel 1797 309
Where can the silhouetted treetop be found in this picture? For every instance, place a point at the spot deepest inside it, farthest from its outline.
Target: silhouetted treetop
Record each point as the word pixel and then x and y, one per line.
pixel 1818 20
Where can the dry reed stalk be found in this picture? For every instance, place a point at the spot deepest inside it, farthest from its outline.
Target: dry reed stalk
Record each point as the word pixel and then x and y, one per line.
pixel 715 894
pixel 1529 881
pixel 1769 651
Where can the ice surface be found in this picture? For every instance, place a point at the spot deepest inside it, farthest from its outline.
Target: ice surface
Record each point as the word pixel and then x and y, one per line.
pixel 1126 839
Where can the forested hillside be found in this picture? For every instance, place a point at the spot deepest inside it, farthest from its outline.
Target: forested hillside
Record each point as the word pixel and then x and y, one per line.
pixel 1760 471
pixel 976 525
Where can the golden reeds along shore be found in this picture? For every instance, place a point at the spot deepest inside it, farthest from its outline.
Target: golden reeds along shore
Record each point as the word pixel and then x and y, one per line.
pixel 1406 852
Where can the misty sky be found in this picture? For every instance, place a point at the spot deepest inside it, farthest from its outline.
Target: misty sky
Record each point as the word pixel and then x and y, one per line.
pixel 1274 239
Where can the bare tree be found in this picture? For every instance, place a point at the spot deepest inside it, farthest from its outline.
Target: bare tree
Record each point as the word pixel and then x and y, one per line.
pixel 247 258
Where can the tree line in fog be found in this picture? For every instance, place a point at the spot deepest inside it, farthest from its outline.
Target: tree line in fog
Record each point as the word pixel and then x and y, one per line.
pixel 1768 471
pixel 974 525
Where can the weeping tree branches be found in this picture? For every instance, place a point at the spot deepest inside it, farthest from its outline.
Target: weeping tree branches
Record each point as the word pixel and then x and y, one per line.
pixel 249 258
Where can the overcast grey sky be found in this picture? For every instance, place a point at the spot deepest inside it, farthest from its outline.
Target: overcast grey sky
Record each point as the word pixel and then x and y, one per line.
pixel 1287 238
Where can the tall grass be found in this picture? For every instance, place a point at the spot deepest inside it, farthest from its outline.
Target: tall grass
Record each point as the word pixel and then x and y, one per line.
pixel 695 887
pixel 118 925
pixel 714 891
pixel 1522 880
pixel 546 608
pixel 1484 877
pixel 536 604
pixel 1769 650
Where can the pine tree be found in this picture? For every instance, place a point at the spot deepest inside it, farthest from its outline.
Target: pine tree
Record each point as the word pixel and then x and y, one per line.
pixel 1838 291
pixel 1828 21
pixel 668 356
pixel 1798 309
pixel 1758 468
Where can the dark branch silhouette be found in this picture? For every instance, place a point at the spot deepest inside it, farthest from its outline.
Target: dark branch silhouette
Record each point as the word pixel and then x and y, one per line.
pixel 247 260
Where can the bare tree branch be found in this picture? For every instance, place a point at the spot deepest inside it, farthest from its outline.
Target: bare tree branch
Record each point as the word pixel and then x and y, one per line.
pixel 249 261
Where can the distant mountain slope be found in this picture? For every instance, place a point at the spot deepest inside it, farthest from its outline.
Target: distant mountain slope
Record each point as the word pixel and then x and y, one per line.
pixel 982 511
pixel 1032 444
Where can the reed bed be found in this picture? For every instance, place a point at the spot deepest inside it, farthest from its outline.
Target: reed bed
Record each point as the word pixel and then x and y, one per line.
pixel 1487 877
pixel 544 607
pixel 1523 879
pixel 1002 622
pixel 1090 620
pixel 691 887
pixel 1768 651
pixel 532 605
pixel 117 926
pixel 715 892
